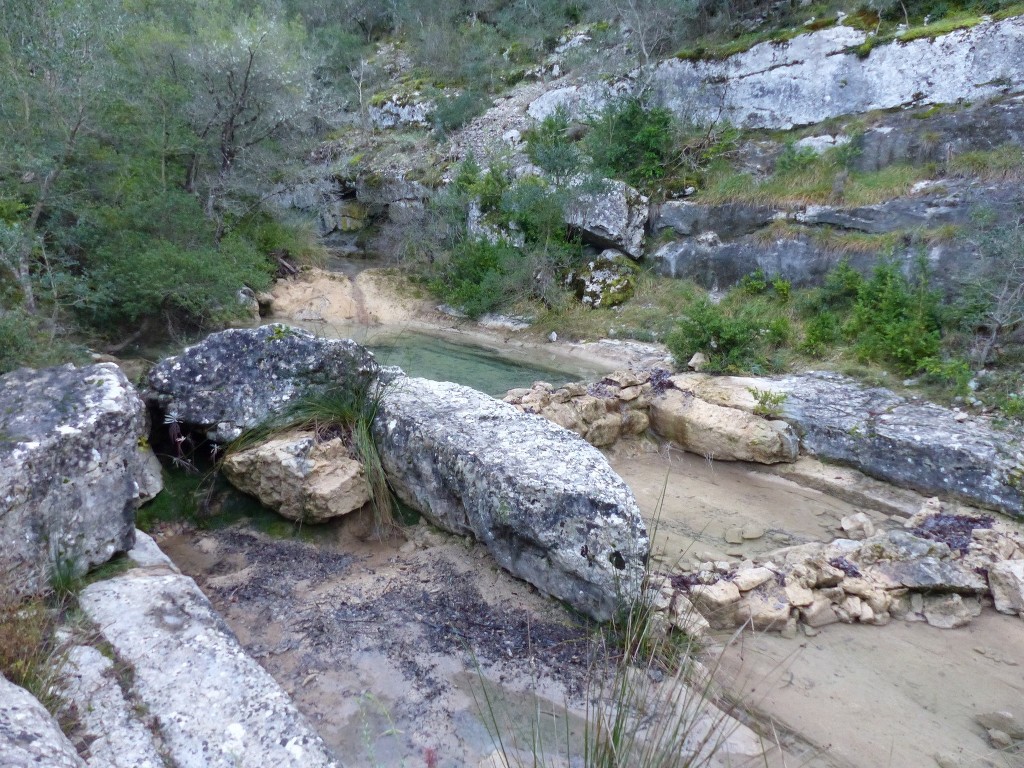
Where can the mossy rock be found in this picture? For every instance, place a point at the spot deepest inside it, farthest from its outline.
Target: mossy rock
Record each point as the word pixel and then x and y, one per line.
pixel 606 281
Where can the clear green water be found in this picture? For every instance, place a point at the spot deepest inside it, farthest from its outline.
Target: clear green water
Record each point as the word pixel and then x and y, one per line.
pixel 481 369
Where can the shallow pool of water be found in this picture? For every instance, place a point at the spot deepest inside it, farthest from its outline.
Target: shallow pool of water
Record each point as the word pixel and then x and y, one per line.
pixel 476 367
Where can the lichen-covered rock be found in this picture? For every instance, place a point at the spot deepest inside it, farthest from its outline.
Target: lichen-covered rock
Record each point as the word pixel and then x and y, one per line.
pixel 74 464
pixel 233 380
pixel 401 110
pixel 300 476
pixel 612 216
pixel 819 75
pixel 719 432
pixel 214 706
pixel 115 734
pixel 544 502
pixel 606 281
pixel 728 220
pixel 29 736
pixel 912 444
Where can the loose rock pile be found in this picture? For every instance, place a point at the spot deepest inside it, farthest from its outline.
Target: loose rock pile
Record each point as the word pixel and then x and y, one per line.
pixel 601 413
pixel 941 568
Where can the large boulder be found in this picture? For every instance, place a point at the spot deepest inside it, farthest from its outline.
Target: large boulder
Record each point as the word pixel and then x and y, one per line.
pixel 721 432
pixel 74 466
pixel 612 215
pixel 233 380
pixel 605 281
pixel 300 476
pixel 544 502
pixel 29 736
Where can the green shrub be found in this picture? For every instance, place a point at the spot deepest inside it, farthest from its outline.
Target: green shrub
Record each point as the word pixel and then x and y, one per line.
pixel 474 277
pixel 896 321
pixel 735 339
pixel 25 340
pixel 548 146
pixel 630 142
pixel 794 159
pixel 453 112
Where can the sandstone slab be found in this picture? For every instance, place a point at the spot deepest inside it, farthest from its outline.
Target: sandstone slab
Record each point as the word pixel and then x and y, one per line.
pixel 720 432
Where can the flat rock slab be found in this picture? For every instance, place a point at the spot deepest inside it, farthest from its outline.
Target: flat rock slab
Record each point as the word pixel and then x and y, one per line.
pixel 544 501
pixel 912 444
pixel 29 736
pixel 233 380
pixel 214 705
pixel 115 735
pixel 73 465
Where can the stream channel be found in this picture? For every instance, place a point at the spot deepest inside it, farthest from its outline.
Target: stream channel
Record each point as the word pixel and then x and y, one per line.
pixel 409 651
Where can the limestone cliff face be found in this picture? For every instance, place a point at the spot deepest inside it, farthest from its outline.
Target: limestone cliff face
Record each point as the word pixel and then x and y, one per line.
pixel 820 75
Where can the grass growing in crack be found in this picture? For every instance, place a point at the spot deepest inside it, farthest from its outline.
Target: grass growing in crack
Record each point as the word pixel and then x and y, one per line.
pixel 345 411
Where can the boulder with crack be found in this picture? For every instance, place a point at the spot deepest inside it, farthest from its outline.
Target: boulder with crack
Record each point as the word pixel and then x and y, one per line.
pixel 74 467
pixel 544 502
pixel 233 380
pixel 721 432
pixel 300 476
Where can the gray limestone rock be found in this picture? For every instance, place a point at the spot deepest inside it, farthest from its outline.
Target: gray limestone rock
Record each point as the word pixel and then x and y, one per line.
pixel 728 221
pixel 73 464
pixel 114 734
pixel 613 216
pixel 818 76
pixel 214 706
pixel 912 444
pixel 29 736
pixel 236 379
pixel 544 502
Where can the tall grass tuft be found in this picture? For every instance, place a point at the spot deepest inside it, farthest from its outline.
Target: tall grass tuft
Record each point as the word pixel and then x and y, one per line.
pixel 345 410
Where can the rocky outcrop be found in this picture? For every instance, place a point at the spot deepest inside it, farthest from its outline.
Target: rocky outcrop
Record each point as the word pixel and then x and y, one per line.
pixel 236 379
pixel 611 216
pixel 818 76
pixel 601 413
pixel 721 432
pixel 29 736
pixel 720 244
pixel 74 466
pixel 938 135
pixel 912 444
pixel 300 476
pixel 401 111
pixel 213 705
pixel 544 502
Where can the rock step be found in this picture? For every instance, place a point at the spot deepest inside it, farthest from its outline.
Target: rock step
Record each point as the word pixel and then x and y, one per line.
pixel 213 704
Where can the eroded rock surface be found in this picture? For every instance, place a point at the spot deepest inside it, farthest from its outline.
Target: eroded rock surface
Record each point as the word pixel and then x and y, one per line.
pixel 106 723
pixel 214 705
pixel 74 463
pixel 613 216
pixel 236 379
pixel 29 736
pixel 912 444
pixel 818 76
pixel 300 476
pixel 545 503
